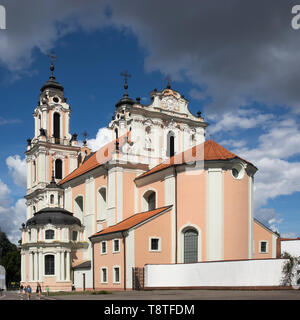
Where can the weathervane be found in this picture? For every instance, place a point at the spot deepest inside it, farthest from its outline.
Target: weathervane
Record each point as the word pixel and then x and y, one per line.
pixel 126 75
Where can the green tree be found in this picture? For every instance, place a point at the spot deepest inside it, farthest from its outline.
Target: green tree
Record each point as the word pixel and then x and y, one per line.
pixel 10 259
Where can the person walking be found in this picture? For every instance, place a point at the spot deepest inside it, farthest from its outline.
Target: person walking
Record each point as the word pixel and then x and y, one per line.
pixel 38 290
pixel 29 290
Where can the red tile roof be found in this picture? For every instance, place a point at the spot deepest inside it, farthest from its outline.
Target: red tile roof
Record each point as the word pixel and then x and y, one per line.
pixel 208 150
pixel 132 221
pixel 103 155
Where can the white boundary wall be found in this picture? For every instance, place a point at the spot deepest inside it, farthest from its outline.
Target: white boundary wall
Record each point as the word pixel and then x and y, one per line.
pixel 262 272
pixel 291 246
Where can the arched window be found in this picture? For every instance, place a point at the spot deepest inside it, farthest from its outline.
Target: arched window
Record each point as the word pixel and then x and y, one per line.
pixel 170 144
pixel 149 200
pixel 56 127
pixel 49 264
pixel 101 201
pixel 49 234
pixel 51 199
pixel 190 246
pixel 117 133
pixel 78 207
pixel 58 169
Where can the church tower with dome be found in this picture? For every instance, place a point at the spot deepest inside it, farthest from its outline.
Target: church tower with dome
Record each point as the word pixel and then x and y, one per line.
pixel 51 154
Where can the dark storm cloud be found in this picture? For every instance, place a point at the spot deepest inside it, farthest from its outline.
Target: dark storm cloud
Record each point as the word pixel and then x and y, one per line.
pixel 233 51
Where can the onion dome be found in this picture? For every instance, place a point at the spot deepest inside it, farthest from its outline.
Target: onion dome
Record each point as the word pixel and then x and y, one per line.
pixel 52 83
pixel 55 216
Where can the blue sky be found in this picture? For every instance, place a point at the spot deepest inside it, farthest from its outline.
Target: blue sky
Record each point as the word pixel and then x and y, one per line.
pixel 243 77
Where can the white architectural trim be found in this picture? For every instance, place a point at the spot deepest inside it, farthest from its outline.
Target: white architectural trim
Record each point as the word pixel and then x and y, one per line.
pixel 130 258
pixel 250 218
pixel 214 214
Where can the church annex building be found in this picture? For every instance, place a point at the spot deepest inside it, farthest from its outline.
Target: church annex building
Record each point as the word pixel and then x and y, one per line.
pixel 158 193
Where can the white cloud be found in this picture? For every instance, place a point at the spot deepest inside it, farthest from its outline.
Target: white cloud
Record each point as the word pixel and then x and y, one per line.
pixel 103 136
pixel 269 217
pixel 241 118
pixel 11 215
pixel 17 167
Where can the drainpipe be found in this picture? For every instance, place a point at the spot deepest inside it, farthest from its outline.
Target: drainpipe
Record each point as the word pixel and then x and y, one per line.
pixel 124 253
pixel 92 265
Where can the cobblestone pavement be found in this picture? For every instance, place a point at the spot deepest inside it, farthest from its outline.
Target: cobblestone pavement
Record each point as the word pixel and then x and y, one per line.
pixel 169 295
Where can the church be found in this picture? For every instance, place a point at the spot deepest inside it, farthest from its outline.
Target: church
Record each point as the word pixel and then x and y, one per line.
pixel 158 193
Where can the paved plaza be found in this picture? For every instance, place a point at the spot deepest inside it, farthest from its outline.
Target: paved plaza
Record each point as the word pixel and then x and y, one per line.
pixel 169 295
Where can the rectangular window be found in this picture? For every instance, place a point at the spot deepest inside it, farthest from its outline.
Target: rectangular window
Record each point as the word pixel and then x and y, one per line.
pixel 103 247
pixel 104 275
pixel 263 246
pixel 154 244
pixel 116 274
pixel 116 245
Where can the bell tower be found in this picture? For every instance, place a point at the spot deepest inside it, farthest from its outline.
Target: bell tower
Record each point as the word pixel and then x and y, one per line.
pixel 53 152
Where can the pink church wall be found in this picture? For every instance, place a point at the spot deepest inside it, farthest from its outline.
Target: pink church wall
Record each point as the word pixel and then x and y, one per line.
pixel 158 187
pixel 100 181
pixel 108 260
pixel 128 194
pixel 159 227
pixel 191 198
pixel 236 220
pixel 262 234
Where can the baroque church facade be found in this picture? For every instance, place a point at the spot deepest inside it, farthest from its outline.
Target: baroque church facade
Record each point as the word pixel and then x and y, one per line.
pixel 158 193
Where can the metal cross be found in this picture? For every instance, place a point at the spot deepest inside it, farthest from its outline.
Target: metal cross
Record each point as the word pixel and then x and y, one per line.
pixel 126 75
pixel 85 135
pixel 168 79
pixel 52 57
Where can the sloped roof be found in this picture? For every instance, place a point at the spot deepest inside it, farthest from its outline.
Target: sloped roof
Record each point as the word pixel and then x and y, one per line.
pixel 208 150
pixel 132 221
pixel 103 155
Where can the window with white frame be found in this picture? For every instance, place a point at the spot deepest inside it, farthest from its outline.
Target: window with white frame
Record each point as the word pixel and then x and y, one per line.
pixel 116 245
pixel 263 246
pixel 155 244
pixel 103 247
pixel 104 277
pixel 116 271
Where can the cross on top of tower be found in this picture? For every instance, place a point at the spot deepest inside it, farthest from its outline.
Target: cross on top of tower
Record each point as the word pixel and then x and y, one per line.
pixel 85 135
pixel 52 58
pixel 126 75
pixel 168 79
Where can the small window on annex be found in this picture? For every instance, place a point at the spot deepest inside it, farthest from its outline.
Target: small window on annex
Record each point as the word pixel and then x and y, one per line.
pixel 116 274
pixel 103 248
pixel 116 245
pixel 154 244
pixel 49 234
pixel 104 275
pixel 263 247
